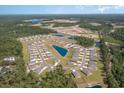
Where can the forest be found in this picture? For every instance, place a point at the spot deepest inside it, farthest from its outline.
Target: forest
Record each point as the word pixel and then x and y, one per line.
pixel 118 34
pixel 83 41
pixel 117 66
pixel 15 31
pixel 110 80
pixel 103 27
pixel 9 46
pixel 113 59
pixel 89 26
pixel 20 79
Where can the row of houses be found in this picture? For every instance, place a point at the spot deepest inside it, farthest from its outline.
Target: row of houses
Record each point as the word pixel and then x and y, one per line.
pixel 38 57
pixel 9 59
pixel 83 58
pixel 38 54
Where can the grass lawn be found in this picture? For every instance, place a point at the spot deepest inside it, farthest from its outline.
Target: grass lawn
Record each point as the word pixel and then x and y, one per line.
pixel 112 40
pixel 50 62
pixel 68 57
pixel 63 60
pixel 25 53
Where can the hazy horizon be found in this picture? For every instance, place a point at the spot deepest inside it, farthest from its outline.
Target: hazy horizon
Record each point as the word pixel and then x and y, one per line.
pixel 60 9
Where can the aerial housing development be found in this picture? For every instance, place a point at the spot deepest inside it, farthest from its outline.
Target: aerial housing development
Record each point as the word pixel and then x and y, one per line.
pixel 62 51
pixel 45 52
pixel 39 54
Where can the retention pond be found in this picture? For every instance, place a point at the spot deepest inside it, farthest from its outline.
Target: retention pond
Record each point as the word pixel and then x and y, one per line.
pixel 62 51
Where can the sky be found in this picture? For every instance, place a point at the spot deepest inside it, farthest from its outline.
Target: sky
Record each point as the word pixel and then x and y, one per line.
pixel 61 9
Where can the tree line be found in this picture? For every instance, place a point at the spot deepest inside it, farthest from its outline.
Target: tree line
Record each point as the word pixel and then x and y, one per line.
pixel 118 34
pixel 20 79
pixel 83 41
pixel 117 66
pixel 113 57
pixel 106 61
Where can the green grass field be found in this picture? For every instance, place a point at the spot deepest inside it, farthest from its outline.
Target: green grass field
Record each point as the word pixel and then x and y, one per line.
pixel 112 40
pixel 25 53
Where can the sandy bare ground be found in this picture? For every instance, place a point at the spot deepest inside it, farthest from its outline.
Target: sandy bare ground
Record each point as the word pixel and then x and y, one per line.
pixel 119 26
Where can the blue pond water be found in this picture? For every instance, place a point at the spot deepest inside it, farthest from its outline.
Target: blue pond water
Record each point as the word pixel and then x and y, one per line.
pixel 98 44
pixel 35 21
pixel 60 50
pixel 60 35
pixel 97 86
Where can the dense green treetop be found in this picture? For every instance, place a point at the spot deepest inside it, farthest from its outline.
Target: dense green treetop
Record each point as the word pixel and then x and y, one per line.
pixel 83 41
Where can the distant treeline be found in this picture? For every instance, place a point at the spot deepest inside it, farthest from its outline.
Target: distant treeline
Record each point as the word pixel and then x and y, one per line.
pixel 64 24
pixel 103 27
pixel 88 17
